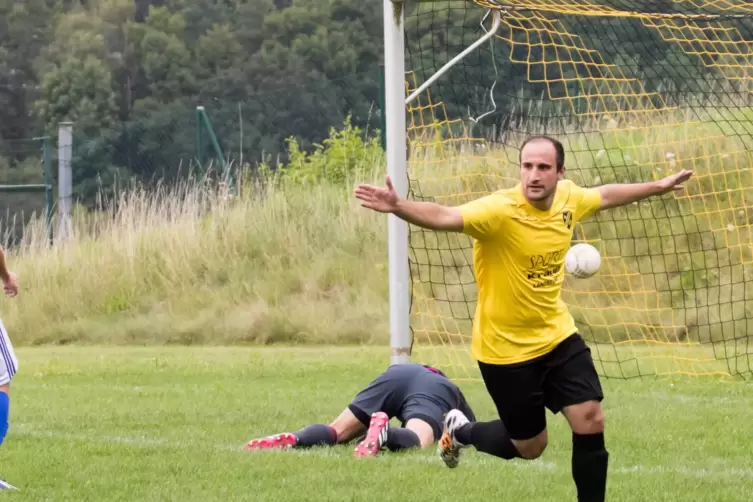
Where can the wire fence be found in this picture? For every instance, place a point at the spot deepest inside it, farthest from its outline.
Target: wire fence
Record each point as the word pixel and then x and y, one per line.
pixel 26 185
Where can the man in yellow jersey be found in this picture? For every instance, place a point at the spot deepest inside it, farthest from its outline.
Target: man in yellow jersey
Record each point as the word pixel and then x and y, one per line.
pixel 524 338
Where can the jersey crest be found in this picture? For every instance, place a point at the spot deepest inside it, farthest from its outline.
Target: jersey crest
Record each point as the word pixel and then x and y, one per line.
pixel 567 218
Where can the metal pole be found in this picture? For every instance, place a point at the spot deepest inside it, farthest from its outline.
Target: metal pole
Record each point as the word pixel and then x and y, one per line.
pixel 47 149
pixel 199 140
pixel 382 110
pixel 48 183
pixel 397 229
pixel 65 179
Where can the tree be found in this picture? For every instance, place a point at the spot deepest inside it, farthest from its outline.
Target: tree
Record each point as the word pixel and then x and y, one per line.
pixel 25 29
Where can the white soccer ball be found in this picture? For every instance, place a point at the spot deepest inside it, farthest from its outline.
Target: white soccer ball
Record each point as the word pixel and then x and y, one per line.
pixel 582 260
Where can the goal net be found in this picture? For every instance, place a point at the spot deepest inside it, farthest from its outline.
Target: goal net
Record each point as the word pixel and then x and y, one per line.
pixel 635 90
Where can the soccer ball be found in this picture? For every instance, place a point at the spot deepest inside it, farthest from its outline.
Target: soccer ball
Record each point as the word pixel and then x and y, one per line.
pixel 582 260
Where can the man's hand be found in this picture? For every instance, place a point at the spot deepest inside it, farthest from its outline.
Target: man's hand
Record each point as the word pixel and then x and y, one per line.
pixel 620 194
pixel 384 200
pixel 424 214
pixel 10 287
pixel 675 181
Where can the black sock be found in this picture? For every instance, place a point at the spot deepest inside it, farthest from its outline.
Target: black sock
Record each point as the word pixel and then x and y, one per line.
pixel 488 437
pixel 315 435
pixel 401 439
pixel 590 460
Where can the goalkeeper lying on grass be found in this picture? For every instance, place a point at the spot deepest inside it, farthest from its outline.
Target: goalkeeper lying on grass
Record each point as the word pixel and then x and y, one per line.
pixel 419 396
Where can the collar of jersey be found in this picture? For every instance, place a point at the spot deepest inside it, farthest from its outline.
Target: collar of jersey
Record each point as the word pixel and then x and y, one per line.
pixel 560 199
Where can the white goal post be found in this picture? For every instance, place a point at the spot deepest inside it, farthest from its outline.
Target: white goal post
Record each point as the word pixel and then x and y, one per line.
pixel 395 103
pixel 397 229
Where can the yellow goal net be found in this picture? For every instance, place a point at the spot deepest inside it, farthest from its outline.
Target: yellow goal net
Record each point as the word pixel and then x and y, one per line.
pixel 635 90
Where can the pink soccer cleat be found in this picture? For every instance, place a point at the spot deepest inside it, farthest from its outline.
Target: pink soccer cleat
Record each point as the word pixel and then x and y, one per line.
pixel 376 436
pixel 281 441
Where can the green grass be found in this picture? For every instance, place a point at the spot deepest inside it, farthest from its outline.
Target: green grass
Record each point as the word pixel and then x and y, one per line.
pixel 621 360
pixel 91 423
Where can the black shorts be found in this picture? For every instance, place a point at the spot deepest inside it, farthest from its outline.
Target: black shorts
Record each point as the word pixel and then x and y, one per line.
pixel 563 377
pixel 407 391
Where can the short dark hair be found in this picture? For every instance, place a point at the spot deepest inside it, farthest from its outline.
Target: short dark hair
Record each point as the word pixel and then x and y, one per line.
pixel 559 149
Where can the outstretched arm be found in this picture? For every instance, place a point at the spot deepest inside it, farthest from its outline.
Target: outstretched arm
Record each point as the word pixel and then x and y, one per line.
pixel 430 215
pixel 10 286
pixel 4 272
pixel 423 214
pixel 621 194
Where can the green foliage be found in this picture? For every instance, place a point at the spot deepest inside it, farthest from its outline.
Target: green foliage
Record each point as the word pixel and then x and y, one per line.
pixel 166 62
pixel 218 50
pixel 130 74
pixel 78 91
pixel 345 154
pixel 25 28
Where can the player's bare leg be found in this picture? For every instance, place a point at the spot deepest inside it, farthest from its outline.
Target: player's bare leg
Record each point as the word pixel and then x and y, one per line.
pixel 590 457
pixel 531 449
pixel 585 418
pixel 347 427
pixel 422 430
pixel 344 428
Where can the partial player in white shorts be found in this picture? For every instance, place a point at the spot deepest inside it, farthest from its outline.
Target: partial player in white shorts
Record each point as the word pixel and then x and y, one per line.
pixel 8 361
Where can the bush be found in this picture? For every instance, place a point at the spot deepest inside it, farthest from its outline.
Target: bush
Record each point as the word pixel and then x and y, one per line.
pixel 347 153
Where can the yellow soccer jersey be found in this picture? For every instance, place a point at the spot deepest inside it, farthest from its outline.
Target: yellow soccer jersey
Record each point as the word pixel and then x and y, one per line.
pixel 519 256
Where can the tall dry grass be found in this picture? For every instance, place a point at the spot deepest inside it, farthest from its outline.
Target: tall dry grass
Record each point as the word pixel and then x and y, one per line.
pixel 188 265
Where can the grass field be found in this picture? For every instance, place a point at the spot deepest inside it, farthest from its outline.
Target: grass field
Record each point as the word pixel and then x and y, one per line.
pixel 299 263
pixel 92 423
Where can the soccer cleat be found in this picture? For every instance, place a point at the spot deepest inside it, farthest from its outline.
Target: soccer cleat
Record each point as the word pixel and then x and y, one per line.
pixel 376 436
pixel 282 441
pixel 4 485
pixel 449 447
